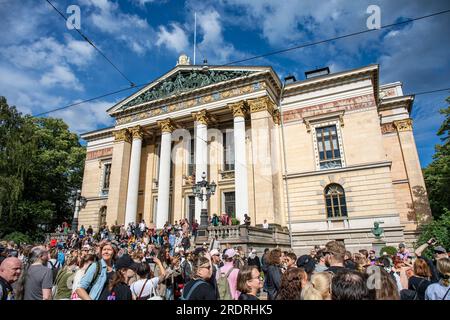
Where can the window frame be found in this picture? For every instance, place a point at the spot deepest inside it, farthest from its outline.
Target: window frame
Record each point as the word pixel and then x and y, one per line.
pixel 322 124
pixel 105 191
pixel 340 206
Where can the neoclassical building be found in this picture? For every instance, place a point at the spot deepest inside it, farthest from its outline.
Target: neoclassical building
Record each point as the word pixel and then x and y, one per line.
pixel 324 157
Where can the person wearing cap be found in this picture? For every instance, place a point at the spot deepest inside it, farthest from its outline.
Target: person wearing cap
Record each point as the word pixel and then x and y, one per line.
pixel 216 264
pixel 439 252
pixel 231 272
pixel 403 253
pixel 117 288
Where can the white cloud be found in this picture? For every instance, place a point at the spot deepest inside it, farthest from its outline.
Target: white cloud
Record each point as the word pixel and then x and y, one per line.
pixel 63 76
pixel 176 40
pixel 130 29
pixel 213 44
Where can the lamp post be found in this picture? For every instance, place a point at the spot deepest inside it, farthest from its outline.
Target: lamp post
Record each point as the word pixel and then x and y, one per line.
pixel 203 191
pixel 80 202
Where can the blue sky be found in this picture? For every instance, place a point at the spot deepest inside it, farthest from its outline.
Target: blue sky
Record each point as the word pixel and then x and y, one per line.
pixel 43 65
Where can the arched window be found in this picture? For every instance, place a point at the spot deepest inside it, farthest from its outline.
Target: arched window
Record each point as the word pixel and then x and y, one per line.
pixel 335 201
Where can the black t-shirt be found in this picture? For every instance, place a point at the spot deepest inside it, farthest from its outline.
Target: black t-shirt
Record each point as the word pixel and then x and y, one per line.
pixel 204 291
pixel 245 296
pixel 120 292
pixel 349 264
pixel 335 269
pixel 419 285
pixel 6 291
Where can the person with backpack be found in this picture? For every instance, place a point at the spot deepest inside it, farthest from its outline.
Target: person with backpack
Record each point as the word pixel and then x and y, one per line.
pixel 53 263
pixel 83 265
pixel 62 289
pixel 147 286
pixel 227 283
pixel 96 276
pixel 198 288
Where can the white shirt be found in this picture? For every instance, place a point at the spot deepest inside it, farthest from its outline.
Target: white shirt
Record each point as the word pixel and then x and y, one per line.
pixel 136 287
pixel 266 225
pixel 142 226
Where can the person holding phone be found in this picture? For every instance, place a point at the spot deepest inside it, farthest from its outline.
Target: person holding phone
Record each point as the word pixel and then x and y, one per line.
pixel 439 252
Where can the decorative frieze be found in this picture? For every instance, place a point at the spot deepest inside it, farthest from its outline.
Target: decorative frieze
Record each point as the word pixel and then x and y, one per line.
pixel 167 125
pixel 403 125
pixel 239 109
pixel 99 153
pixel 356 103
pixel 215 96
pixel 122 135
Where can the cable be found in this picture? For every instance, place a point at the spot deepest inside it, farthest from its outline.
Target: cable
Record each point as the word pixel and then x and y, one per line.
pixel 93 45
pixel 335 38
pixel 428 92
pixel 88 100
pixel 276 52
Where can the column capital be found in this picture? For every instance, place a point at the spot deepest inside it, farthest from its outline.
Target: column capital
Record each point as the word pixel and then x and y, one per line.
pixel 166 125
pixel 239 109
pixel 403 125
pixel 202 117
pixel 276 116
pixel 261 104
pixel 137 132
pixel 122 135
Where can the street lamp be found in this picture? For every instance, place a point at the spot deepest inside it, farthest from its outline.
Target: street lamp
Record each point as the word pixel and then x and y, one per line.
pixel 203 191
pixel 80 202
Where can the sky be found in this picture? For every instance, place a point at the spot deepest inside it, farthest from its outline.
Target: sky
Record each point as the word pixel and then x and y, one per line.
pixel 44 65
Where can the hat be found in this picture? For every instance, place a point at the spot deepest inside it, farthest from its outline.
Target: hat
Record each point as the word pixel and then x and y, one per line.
pixel 214 252
pixel 230 253
pixel 306 262
pixel 125 262
pixel 401 245
pixel 439 249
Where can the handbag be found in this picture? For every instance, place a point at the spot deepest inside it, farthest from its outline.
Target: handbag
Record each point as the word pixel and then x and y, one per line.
pixel 154 295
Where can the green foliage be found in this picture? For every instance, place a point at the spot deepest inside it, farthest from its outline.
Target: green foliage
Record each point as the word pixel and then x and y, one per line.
pixel 235 222
pixel 389 250
pixel 41 163
pixel 18 238
pixel 437 174
pixel 438 229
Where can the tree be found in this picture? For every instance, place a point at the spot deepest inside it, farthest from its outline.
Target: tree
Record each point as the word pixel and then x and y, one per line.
pixel 437 174
pixel 41 164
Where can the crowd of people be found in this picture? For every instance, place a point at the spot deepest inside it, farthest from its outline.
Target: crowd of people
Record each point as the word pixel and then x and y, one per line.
pixel 138 263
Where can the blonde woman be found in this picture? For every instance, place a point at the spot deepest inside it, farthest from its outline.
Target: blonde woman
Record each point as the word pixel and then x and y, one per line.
pixel 319 287
pixel 440 290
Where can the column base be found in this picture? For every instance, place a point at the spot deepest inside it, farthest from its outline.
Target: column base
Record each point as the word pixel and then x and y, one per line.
pixel 75 224
pixel 204 218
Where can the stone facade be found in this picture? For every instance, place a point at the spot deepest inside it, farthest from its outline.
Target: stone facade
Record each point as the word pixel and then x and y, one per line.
pixel 277 172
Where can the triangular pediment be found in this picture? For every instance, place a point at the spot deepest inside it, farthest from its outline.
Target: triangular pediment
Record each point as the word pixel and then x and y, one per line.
pixel 183 79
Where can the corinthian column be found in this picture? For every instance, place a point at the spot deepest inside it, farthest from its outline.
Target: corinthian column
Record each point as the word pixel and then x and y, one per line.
pixel 201 119
pixel 133 176
pixel 162 210
pixel 239 110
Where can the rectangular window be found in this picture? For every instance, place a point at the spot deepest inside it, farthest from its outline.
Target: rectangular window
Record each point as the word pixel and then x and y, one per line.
pixel 191 209
pixel 191 165
pixel 106 177
pixel 230 204
pixel 228 150
pixel 328 147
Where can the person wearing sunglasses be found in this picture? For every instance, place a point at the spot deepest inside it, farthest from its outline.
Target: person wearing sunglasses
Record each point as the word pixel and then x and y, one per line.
pixel 249 282
pixel 198 288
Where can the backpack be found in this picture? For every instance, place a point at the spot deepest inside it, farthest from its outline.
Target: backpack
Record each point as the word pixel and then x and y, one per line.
pixel 223 286
pixel 55 269
pixel 194 286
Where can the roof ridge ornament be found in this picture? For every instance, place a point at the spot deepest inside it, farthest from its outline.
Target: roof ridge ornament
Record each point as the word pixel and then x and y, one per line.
pixel 183 60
